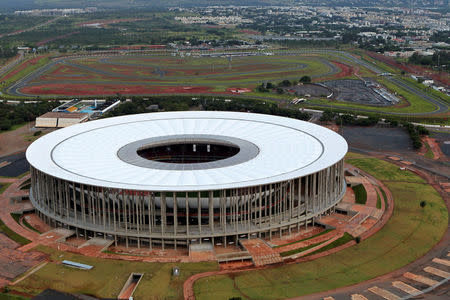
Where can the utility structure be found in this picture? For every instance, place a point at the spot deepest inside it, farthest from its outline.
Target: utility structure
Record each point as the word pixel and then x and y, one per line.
pixel 175 178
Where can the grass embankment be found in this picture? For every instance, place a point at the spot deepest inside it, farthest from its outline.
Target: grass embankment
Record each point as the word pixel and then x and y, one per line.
pixel 360 194
pixel 24 68
pixel 378 201
pixel 4 186
pixel 5 229
pixel 429 153
pixel 17 217
pixel 305 239
pixel 12 235
pixel 298 250
pixel 340 241
pixel 6 296
pixel 408 235
pixel 108 276
pixel 427 89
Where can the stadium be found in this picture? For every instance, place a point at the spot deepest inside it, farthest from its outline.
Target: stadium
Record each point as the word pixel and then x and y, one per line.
pixel 180 178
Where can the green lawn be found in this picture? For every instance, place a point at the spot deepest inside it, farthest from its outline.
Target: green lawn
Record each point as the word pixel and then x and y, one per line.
pixel 408 235
pixel 5 296
pixel 108 276
pixel 429 153
pixel 360 194
pixel 25 71
pixel 12 235
pixel 378 201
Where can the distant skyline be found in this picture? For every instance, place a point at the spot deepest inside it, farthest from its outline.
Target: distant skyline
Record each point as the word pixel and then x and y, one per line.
pixel 8 5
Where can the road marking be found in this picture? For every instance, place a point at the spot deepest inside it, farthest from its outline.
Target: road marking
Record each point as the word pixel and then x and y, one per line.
pixel 383 293
pixel 405 287
pixel 358 297
pixel 444 262
pixel 420 278
pixel 437 272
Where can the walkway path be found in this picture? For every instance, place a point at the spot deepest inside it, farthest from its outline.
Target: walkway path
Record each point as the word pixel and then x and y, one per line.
pixel 262 254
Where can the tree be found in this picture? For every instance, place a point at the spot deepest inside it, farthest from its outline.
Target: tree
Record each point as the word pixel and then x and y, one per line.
pixel 280 91
pixel 5 125
pixel 305 79
pixel 285 83
pixel 327 116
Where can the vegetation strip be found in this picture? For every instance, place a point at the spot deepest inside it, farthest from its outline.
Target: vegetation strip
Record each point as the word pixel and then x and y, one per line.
pixel 17 217
pixel 298 250
pixel 360 194
pixel 340 241
pixel 305 239
pixel 12 235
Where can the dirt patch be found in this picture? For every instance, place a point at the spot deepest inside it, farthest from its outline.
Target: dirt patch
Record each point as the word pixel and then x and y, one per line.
pixel 14 141
pixel 110 89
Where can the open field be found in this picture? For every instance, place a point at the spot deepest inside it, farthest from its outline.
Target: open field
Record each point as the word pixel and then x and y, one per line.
pixel 108 276
pixel 408 235
pixel 166 74
pixel 213 73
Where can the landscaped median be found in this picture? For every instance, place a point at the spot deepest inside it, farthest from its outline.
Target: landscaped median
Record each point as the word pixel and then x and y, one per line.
pixel 408 235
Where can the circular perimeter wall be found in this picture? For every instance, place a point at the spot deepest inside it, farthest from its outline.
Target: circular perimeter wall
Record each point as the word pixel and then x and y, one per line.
pixel 178 178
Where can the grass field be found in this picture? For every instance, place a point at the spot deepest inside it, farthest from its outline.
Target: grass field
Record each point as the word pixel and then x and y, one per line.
pixel 173 75
pixel 360 194
pixel 408 235
pixel 161 74
pixel 108 276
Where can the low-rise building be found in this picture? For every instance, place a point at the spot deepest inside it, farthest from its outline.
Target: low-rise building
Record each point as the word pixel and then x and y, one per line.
pixel 60 119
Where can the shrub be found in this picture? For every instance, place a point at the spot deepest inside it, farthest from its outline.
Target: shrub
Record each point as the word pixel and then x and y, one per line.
pixel 423 203
pixel 358 239
pixel 422 130
pixel 5 125
pixel 393 123
pixel 305 79
pixel 327 116
pixel 360 194
pixel 285 83
pixel 37 133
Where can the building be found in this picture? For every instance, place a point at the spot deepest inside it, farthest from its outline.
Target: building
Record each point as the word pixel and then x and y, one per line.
pixel 60 119
pixel 177 178
pixel 91 107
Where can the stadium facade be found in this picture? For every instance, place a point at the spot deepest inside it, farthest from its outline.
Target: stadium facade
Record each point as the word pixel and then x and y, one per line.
pixel 177 178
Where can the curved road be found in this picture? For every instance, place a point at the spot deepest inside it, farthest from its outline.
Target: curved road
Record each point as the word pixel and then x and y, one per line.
pixel 441 106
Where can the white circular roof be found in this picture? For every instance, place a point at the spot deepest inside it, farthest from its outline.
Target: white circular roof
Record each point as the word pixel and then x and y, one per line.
pixel 88 153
